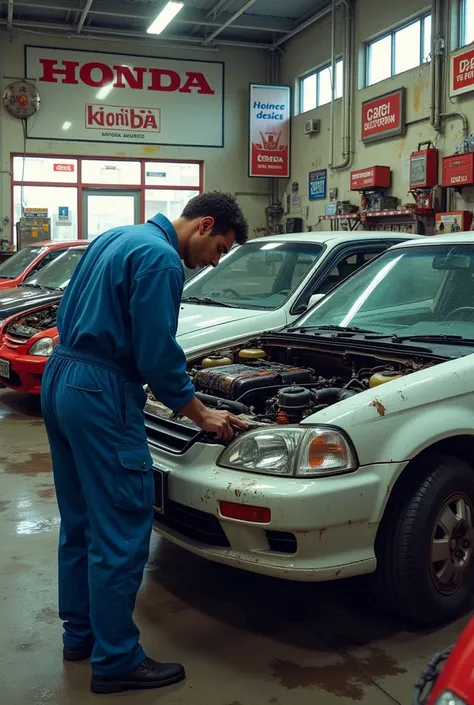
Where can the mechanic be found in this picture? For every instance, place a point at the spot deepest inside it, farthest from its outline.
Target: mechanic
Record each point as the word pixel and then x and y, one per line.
pixel 117 331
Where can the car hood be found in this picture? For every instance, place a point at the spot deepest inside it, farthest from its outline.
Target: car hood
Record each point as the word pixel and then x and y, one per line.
pixel 201 325
pixel 22 298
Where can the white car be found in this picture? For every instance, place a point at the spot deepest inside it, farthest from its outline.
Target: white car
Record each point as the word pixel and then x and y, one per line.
pixel 269 282
pixel 360 456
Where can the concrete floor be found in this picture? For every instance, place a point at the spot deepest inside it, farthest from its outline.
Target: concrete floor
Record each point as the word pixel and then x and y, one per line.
pixel 244 639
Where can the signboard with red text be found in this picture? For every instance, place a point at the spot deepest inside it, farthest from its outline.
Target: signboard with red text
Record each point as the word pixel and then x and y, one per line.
pixel 102 97
pixel 384 116
pixel 269 131
pixel 462 72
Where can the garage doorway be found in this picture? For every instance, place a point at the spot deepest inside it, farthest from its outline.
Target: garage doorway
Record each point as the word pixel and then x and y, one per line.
pixel 104 209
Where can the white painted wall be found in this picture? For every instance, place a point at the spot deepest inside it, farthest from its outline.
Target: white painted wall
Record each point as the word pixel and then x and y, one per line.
pixel 225 169
pixel 310 49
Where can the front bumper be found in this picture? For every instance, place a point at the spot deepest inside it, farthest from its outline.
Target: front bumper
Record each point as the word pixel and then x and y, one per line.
pixel 320 528
pixel 26 371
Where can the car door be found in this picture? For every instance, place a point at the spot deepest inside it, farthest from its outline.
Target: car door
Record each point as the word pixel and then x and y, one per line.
pixel 338 265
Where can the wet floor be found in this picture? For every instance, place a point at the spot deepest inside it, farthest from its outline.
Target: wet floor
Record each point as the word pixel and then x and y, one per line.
pixel 244 639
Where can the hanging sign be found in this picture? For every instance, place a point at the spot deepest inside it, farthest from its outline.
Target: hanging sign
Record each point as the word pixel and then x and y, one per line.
pixel 384 116
pixel 269 131
pixel 462 72
pixel 318 180
pixel 35 212
pixel 103 97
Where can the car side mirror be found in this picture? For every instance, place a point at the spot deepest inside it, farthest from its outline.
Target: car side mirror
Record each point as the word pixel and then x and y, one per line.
pixel 314 299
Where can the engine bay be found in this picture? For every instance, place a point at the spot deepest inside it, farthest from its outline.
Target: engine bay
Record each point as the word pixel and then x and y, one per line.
pixel 32 323
pixel 275 384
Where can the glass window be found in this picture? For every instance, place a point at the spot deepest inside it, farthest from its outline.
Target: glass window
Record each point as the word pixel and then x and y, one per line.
pixel 171 174
pixel 15 265
pixel 45 169
pixel 106 171
pixel 168 202
pixel 408 291
pixel 467 22
pixel 379 59
pixel 308 93
pixel 324 86
pixel 258 275
pixel 316 89
pixel 399 51
pixel 52 198
pixel 407 47
pixel 426 49
pixel 57 274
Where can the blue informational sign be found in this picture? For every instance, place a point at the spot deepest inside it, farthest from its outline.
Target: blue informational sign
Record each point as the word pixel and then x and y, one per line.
pixel 318 181
pixel 157 174
pixel 63 212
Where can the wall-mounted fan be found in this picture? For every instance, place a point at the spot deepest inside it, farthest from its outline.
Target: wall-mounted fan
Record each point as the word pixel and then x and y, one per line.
pixel 21 99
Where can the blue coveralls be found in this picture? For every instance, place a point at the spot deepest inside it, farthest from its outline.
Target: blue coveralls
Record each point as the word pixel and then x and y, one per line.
pixel 117 325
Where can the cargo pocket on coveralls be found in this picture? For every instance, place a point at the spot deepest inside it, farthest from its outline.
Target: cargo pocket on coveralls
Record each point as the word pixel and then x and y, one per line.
pixel 134 485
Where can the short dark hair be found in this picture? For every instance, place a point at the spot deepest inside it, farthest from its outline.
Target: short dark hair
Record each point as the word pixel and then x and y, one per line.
pixel 224 209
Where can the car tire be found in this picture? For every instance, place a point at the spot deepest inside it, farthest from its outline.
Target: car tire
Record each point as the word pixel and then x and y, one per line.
pixel 429 518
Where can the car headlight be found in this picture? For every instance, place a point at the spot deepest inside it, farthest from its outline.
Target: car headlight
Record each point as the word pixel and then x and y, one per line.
pixel 448 698
pixel 43 347
pixel 292 450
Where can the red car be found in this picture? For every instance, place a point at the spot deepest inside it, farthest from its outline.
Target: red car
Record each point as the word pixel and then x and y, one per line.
pixel 29 260
pixel 449 677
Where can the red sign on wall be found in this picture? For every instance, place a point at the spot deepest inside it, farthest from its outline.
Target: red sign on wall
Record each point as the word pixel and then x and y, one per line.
pixel 462 72
pixel 63 167
pixel 458 170
pixel 269 131
pixel 373 177
pixel 383 116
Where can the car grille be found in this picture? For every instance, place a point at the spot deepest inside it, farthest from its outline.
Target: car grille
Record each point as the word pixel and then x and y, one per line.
pixel 199 526
pixel 168 435
pixel 282 542
pixel 12 341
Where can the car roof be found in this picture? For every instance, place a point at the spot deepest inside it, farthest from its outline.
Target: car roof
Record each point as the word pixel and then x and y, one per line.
pixel 462 238
pixel 335 237
pixel 53 244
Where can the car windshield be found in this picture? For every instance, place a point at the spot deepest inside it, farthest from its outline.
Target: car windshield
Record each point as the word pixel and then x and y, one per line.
pixel 57 274
pixel 425 290
pixel 258 275
pixel 15 265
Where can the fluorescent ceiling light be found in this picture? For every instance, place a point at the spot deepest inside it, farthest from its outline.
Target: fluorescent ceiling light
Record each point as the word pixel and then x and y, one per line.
pixel 167 14
pixel 67 125
pixel 104 91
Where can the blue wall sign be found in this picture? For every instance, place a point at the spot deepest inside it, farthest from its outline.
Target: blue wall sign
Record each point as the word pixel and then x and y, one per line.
pixel 63 212
pixel 318 181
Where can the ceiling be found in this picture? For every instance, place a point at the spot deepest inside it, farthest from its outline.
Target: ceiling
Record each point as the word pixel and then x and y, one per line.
pixel 200 24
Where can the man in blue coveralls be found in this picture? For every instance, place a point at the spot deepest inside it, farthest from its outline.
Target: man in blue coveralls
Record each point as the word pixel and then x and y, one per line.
pixel 117 330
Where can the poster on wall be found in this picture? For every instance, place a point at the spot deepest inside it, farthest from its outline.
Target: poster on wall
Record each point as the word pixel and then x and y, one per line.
pixel 462 72
pixel 317 189
pixel 383 116
pixel 269 131
pixel 104 97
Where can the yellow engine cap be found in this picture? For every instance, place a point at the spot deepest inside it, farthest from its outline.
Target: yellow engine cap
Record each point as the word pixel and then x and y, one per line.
pixel 252 354
pixel 382 378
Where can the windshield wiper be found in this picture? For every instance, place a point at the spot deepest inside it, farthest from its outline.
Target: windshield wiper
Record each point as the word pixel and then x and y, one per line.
pixel 206 300
pixel 338 329
pixel 434 338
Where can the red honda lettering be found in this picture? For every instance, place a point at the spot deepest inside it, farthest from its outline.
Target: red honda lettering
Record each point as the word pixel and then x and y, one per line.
pixel 125 77
pixel 86 70
pixel 157 83
pixel 51 70
pixel 198 81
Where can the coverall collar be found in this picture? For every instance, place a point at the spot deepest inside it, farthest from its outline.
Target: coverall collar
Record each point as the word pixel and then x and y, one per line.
pixel 167 226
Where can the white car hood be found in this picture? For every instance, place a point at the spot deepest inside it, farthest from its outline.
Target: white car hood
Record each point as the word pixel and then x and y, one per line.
pixel 201 325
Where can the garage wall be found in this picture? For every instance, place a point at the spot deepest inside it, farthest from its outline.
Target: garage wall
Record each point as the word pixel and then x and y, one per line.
pixel 225 169
pixel 310 49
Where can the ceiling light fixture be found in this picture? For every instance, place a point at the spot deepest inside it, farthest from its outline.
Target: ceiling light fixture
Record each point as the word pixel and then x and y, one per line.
pixel 67 125
pixel 167 14
pixel 104 92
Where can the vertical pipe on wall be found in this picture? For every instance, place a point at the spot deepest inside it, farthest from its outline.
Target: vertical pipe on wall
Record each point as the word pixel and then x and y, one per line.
pixel 333 78
pixel 348 79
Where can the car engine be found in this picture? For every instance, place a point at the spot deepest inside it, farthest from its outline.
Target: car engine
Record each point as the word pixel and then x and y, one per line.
pixel 274 384
pixel 32 323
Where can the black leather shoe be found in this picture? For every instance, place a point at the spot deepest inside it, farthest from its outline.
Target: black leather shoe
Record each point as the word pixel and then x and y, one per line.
pixel 77 653
pixel 149 674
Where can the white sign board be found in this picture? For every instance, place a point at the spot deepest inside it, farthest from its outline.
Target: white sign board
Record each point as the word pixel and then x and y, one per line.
pixel 101 97
pixel 269 131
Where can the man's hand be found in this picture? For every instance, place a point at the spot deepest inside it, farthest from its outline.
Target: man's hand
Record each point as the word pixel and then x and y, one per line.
pixel 222 423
